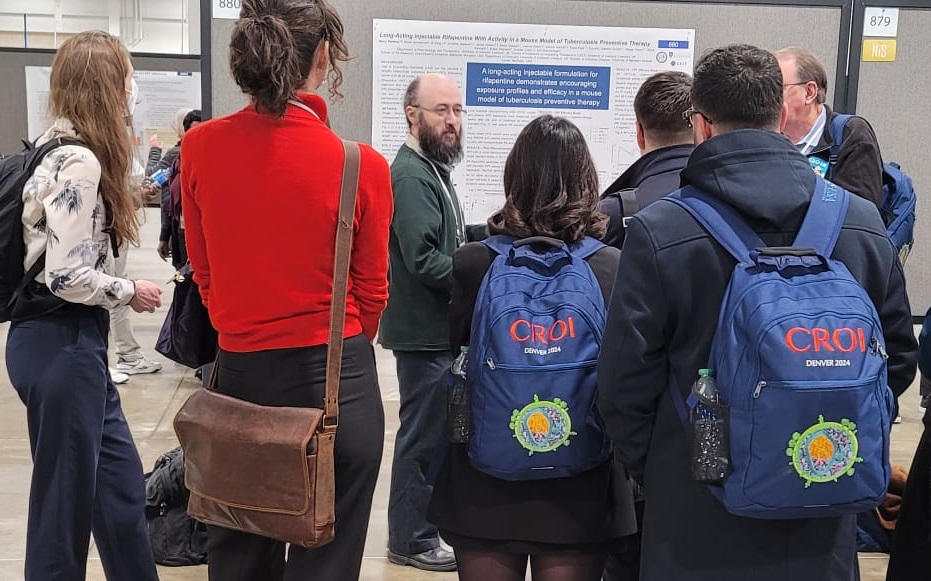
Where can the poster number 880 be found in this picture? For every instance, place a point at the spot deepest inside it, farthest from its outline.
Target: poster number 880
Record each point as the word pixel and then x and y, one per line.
pixel 237 4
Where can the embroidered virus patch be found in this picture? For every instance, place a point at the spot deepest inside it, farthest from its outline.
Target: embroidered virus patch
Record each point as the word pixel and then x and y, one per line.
pixel 825 452
pixel 542 426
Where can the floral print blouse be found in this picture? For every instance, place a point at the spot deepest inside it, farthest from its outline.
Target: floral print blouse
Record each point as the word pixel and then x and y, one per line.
pixel 64 217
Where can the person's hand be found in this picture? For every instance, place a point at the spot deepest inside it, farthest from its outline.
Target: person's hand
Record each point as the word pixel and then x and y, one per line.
pixel 148 297
pixel 163 249
pixel 154 142
pixel 150 188
pixel 150 192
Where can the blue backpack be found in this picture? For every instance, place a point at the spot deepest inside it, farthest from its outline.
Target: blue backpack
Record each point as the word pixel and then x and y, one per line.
pixel 899 199
pixel 536 334
pixel 800 361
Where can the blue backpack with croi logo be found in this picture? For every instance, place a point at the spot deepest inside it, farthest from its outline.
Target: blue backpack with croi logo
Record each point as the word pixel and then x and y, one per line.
pixel 536 334
pixel 899 199
pixel 800 362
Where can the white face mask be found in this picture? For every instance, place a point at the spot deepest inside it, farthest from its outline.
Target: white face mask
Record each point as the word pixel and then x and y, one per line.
pixel 132 95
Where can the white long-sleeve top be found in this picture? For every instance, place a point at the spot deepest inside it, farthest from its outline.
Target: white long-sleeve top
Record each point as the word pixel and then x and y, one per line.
pixel 63 216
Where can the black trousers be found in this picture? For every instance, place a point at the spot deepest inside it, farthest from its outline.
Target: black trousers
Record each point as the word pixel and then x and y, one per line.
pixel 86 473
pixel 296 377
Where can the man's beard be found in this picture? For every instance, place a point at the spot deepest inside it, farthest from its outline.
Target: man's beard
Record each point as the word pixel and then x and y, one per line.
pixel 435 149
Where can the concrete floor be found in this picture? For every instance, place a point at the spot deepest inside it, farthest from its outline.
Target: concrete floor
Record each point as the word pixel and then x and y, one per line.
pixel 151 401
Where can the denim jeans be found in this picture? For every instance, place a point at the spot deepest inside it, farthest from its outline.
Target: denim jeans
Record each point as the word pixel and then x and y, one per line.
pixel 423 417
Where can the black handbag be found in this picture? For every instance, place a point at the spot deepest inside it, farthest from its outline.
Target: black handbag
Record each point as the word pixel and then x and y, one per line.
pixel 187 336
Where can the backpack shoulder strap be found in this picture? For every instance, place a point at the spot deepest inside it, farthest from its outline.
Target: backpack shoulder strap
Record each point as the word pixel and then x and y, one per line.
pixel 38 153
pixel 499 243
pixel 586 247
pixel 824 219
pixel 630 205
pixel 720 220
pixel 836 127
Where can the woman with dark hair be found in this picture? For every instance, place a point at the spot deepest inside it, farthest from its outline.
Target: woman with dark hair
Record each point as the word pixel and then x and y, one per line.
pixel 260 237
pixel 563 525
pixel 77 205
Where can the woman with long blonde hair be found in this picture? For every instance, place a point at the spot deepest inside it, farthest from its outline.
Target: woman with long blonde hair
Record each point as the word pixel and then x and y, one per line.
pixel 77 206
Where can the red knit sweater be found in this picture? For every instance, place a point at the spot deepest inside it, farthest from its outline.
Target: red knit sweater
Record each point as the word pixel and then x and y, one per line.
pixel 260 198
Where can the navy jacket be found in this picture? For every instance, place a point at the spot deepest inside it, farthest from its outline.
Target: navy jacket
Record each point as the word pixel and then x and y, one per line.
pixel 654 175
pixel 664 309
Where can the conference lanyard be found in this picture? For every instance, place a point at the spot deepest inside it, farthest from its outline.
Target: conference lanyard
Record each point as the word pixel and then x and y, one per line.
pixel 457 211
pixel 304 107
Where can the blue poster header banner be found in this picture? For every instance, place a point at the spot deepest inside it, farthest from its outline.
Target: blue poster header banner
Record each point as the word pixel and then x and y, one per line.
pixel 538 86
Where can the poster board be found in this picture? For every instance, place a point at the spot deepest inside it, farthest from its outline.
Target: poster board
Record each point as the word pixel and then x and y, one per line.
pixel 161 95
pixel 512 73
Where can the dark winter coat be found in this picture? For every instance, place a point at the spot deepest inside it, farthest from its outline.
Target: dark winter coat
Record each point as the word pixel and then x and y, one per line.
pixel 859 163
pixel 910 557
pixel 663 314
pixel 653 176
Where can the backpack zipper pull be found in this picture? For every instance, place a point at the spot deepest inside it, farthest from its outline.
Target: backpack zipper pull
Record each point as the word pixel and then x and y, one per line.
pixel 491 364
pixel 759 389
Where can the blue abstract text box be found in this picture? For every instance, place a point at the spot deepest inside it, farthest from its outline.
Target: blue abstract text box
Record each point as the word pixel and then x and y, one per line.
pixel 538 86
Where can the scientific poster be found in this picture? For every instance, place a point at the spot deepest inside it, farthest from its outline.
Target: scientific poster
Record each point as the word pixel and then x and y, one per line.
pixel 510 74
pixel 161 94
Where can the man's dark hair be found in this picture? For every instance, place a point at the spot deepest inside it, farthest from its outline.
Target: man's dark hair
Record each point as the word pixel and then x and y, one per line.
pixel 191 118
pixel 659 105
pixel 738 87
pixel 550 185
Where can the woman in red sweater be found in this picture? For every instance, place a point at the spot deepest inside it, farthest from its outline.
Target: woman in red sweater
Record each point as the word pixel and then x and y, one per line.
pixel 260 194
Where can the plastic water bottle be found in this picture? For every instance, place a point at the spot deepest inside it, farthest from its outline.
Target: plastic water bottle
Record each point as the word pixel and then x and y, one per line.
pixel 710 449
pixel 161 177
pixel 458 404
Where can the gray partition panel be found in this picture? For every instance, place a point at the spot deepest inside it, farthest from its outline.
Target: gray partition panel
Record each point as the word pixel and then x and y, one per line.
pixel 890 96
pixel 13 117
pixel 767 26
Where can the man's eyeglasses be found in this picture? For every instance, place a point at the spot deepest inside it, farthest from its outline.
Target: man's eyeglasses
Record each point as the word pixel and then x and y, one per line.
pixel 690 112
pixel 443 110
pixel 785 86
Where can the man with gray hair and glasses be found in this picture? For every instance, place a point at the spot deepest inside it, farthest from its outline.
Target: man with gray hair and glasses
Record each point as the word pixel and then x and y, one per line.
pixel 858 168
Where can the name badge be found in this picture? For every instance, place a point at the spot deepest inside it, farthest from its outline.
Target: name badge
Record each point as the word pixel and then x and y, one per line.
pixel 819 165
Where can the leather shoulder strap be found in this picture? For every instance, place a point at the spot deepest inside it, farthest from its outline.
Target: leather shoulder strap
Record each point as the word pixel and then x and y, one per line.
pixel 344 227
